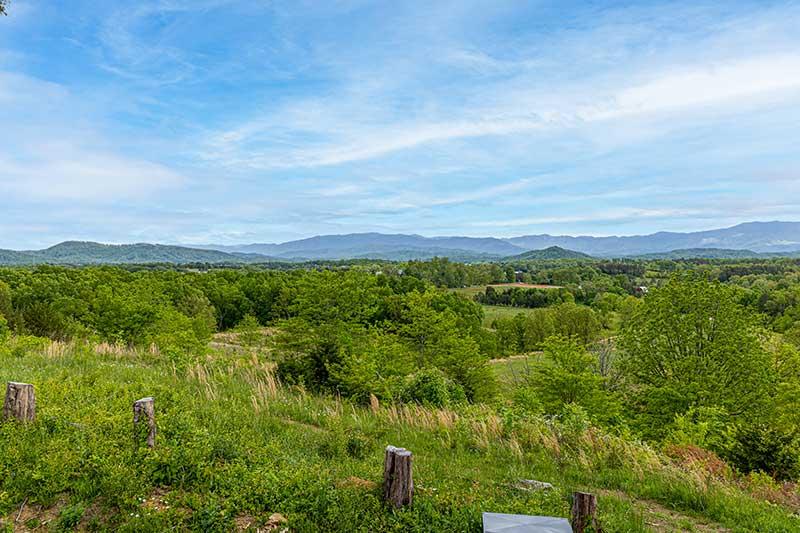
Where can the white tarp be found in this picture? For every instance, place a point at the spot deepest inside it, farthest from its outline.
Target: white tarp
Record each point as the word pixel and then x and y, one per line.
pixel 520 523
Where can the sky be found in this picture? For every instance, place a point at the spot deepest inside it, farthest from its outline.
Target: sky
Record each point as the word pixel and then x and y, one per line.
pixel 224 121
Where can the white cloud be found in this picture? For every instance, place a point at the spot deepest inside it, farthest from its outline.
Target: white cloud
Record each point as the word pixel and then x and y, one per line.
pixel 308 135
pixel 58 150
pixel 71 173
pixel 611 215
pixel 706 85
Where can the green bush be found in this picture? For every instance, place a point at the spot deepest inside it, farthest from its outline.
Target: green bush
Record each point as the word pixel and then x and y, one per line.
pixel 431 387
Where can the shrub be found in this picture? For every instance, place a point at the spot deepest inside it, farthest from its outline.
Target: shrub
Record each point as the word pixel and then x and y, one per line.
pixel 70 517
pixel 357 445
pixel 5 332
pixel 431 387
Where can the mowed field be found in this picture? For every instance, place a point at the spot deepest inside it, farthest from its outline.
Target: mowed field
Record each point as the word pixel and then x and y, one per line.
pixel 472 291
pixel 493 312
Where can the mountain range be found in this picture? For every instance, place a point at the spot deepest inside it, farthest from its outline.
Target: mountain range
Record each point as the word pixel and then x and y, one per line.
pixel 758 237
pixel 753 239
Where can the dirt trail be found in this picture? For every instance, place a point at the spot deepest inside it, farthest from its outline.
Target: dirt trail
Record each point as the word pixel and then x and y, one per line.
pixel 663 519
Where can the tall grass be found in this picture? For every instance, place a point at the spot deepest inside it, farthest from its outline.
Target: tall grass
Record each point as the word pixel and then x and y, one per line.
pixel 235 446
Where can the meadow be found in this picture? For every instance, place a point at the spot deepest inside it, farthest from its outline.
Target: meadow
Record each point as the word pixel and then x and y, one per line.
pixel 277 392
pixel 236 450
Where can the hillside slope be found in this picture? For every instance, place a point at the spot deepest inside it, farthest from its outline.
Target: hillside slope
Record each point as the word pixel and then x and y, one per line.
pixel 762 237
pixel 755 236
pixel 236 450
pixel 82 253
pixel 553 252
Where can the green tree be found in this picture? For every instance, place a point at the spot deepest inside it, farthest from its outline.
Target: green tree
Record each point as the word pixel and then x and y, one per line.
pixel 4 331
pixel 567 374
pixel 691 344
pixel 248 330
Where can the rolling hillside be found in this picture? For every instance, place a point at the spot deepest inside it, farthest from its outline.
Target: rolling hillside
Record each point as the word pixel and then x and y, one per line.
pixel 554 252
pixel 761 237
pixel 81 253
pixel 755 239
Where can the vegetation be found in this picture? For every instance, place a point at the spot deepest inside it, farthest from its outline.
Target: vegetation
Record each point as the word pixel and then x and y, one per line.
pixel 86 253
pixel 276 391
pixel 553 252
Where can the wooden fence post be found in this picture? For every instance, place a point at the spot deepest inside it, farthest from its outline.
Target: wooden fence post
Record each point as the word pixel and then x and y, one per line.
pixel 145 409
pixel 584 512
pixel 398 482
pixel 20 402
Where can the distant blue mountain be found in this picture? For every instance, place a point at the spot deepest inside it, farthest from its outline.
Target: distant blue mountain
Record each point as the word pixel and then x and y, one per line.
pixel 745 240
pixel 83 253
pixel 761 237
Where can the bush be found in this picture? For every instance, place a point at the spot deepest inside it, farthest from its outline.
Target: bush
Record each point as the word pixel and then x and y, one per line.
pixel 430 387
pixel 5 332
pixel 706 427
pixel 765 449
pixel 357 445
pixel 70 517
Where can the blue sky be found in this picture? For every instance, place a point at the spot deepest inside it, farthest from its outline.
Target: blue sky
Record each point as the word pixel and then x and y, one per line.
pixel 199 121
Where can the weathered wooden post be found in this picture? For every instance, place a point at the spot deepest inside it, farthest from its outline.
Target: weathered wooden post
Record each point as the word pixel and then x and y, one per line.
pixel 584 512
pixel 20 402
pixel 144 409
pixel 398 482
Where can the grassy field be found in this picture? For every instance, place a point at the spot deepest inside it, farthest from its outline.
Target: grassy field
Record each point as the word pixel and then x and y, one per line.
pixel 510 370
pixel 235 450
pixel 472 291
pixel 493 312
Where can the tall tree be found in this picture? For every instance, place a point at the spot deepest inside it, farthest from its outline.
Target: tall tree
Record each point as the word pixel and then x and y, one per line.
pixel 691 344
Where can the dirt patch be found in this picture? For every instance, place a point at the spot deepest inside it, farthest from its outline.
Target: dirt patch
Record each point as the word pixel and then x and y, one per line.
pixel 513 358
pixel 664 519
pixel 34 517
pixel 157 501
pixel 245 523
pixel 276 522
pixel 357 482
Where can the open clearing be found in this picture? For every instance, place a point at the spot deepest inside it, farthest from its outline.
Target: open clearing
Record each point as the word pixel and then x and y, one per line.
pixel 521 285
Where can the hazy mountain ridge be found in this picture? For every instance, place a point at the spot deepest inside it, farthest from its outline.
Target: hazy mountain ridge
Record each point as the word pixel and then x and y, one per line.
pixel 754 239
pixel 761 237
pixel 82 253
pixel 714 253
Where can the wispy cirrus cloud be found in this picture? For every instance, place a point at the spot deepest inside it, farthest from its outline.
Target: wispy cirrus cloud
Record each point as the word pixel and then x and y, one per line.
pixel 265 121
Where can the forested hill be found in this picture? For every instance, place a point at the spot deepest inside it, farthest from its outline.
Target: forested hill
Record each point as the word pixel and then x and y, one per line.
pixel 759 237
pixel 553 252
pixel 81 253
pixel 714 253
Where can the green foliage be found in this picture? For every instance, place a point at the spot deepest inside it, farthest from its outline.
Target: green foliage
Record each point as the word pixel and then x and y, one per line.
pixel 693 345
pixel 5 332
pixel 695 364
pixel 528 332
pixel 70 517
pixel 432 388
pixel 248 330
pixel 565 375
pixel 761 448
pixel 231 452
pixel 705 427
